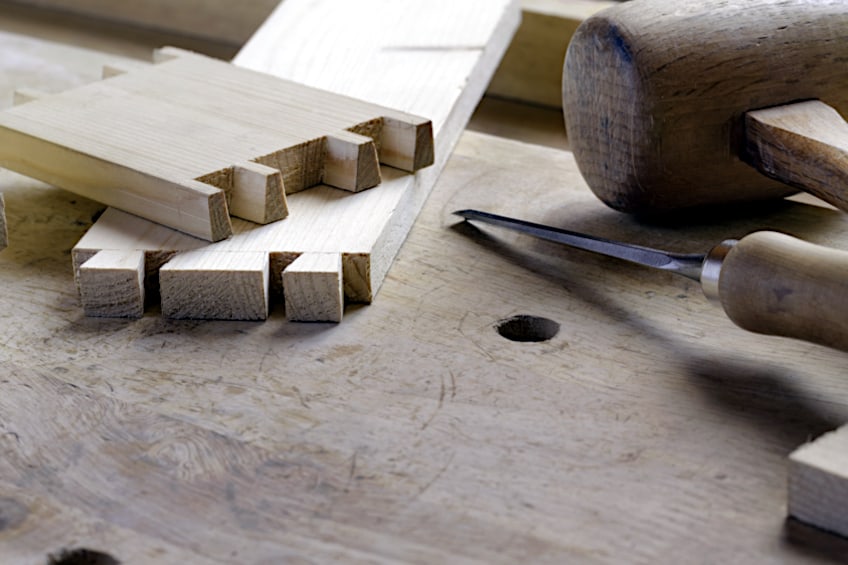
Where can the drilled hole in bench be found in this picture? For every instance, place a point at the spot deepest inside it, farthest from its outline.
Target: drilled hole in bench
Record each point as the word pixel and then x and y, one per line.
pixel 527 328
pixel 82 556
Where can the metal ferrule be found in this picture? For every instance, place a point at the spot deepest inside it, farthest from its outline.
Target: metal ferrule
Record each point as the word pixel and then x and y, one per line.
pixel 711 269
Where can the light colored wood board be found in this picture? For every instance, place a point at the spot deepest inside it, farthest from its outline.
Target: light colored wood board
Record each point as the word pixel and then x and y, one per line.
pixel 686 418
pixel 312 285
pixel 112 284
pixel 513 120
pixel 350 162
pixel 29 63
pixel 122 231
pixel 667 418
pixel 215 285
pixel 210 19
pixel 157 130
pixel 4 232
pixel 123 67
pixel 531 70
pixel 403 140
pixel 818 482
pixel 194 207
pixel 24 95
pixel 258 193
pixel 366 228
pixel 412 41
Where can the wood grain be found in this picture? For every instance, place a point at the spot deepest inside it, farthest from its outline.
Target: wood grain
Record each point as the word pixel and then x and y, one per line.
pixel 313 288
pixel 112 284
pixel 163 142
pixel 4 232
pixel 667 417
pixel 818 482
pixel 367 228
pixel 213 20
pixel 804 145
pixel 215 285
pixel 531 70
pixel 655 113
pixel 777 285
pixel 650 416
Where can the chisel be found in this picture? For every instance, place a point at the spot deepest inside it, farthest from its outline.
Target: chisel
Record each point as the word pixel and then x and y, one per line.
pixel 767 282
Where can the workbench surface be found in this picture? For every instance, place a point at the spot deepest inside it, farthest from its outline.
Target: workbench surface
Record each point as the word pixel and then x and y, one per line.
pixel 649 429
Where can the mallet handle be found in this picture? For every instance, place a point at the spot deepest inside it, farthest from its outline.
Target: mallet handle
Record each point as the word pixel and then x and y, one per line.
pixel 804 145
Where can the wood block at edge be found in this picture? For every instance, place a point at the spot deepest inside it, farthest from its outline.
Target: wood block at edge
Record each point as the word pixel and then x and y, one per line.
pixel 215 285
pixel 111 284
pixel 4 234
pixel 818 482
pixel 312 285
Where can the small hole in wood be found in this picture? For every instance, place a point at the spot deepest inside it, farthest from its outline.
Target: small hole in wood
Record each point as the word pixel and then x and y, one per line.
pixel 527 328
pixel 81 556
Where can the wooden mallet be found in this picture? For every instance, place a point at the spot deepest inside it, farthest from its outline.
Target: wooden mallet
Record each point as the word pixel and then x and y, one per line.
pixel 672 105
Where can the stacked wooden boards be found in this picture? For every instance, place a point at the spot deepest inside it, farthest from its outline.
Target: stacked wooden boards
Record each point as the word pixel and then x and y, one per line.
pixel 213 442
pixel 784 391
pixel 212 20
pixel 417 65
pixel 190 140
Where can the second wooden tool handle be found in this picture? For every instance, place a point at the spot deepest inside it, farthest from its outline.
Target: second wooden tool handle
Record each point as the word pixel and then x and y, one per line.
pixel 774 284
pixel 804 145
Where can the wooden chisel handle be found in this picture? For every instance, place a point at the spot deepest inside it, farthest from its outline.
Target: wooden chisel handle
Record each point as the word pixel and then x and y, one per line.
pixel 774 284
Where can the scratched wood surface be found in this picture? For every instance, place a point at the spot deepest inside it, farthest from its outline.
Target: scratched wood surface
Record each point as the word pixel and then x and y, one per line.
pixel 648 430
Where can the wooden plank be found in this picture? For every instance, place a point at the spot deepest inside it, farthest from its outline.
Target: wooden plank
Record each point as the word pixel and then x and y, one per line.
pixel 257 191
pixel 531 70
pixel 213 20
pixel 668 418
pixel 313 288
pixel 211 284
pixel 4 232
pixel 144 140
pixel 818 482
pixel 112 284
pixel 367 228
pixel 24 95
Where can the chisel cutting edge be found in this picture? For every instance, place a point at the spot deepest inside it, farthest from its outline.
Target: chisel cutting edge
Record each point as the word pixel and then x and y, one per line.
pixel 767 282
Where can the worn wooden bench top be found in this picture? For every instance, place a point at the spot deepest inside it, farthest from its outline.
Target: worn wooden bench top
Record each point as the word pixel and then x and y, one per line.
pixel 648 429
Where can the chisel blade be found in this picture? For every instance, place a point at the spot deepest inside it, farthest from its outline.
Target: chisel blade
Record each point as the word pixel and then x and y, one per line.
pixel 688 265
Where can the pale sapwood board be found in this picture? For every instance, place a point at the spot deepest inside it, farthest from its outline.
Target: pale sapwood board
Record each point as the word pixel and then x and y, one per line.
pixel 4 235
pixel 818 482
pixel 163 141
pixel 413 432
pixel 314 288
pixel 425 58
pixel 531 70
pixel 214 20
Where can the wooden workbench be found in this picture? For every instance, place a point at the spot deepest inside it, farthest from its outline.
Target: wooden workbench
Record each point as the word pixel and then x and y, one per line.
pixel 649 429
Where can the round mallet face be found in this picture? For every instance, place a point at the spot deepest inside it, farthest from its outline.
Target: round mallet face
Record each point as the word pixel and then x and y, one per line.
pixel 655 94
